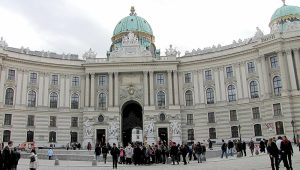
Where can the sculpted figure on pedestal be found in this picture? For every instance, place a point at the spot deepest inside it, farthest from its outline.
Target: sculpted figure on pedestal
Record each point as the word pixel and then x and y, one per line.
pixel 176 128
pixel 149 130
pixel 88 128
pixel 113 130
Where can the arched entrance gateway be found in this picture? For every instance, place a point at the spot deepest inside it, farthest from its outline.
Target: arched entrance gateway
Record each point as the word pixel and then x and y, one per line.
pixel 132 117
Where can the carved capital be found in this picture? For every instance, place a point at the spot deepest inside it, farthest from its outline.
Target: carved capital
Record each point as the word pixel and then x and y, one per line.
pixel 145 72
pixel 288 52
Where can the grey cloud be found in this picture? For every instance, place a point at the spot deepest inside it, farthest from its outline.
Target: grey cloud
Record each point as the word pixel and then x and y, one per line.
pixel 62 25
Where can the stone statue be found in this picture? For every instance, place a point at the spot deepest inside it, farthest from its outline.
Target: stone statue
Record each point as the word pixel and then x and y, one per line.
pixel 88 128
pixel 149 130
pixel 171 51
pixel 176 128
pixel 3 44
pixel 258 33
pixel 113 131
pixel 89 54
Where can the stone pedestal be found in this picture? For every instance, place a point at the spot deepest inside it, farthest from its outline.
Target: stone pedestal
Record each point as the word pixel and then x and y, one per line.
pixel 151 139
pixel 177 138
pixel 86 140
pixel 111 141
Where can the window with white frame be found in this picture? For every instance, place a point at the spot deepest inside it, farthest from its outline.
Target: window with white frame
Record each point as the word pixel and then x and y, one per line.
pixel 75 81
pixel 161 99
pixel 279 128
pixel 102 101
pixel 11 74
pixel 52 136
pixel 189 119
pixel 208 75
pixel 233 115
pixel 54 79
pixel 257 130
pixel 190 134
pixel 210 99
pixel 74 101
pixel 30 136
pixel 9 96
pixel 231 93
pixel 189 98
pixel 229 72
pixel 274 62
pixel 277 109
pixel 53 100
pixel 30 120
pixel 188 77
pixel 74 122
pixel 31 98
pixel 251 67
pixel 211 117
pixel 254 89
pixel 33 78
pixel 7 119
pixel 212 133
pixel 6 135
pixel 102 80
pixel 160 78
pixel 52 121
pixel 255 112
pixel 277 85
pixel 234 132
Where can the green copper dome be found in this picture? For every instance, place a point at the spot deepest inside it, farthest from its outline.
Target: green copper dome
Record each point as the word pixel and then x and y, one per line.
pixel 133 23
pixel 285 11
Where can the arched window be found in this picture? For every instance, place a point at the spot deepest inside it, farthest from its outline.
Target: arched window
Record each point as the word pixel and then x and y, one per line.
pixel 231 93
pixel 234 132
pixel 210 97
pixel 52 136
pixel 189 98
pixel 102 101
pixel 277 85
pixel 74 101
pixel 279 128
pixel 30 136
pixel 161 99
pixel 254 89
pixel 9 96
pixel 257 130
pixel 212 133
pixel 31 99
pixel 6 135
pixel 53 100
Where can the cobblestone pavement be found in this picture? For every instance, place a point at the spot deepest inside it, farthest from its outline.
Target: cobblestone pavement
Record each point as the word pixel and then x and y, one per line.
pixel 260 162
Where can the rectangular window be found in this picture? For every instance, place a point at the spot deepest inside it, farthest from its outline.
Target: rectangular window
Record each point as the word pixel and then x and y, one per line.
pixel 255 112
pixel 75 81
pixel 54 79
pixel 74 137
pixel 277 109
pixel 211 117
pixel 212 133
pixel 102 80
pixel 190 134
pixel 74 122
pixel 208 75
pixel 30 120
pixel 7 119
pixel 233 116
pixel 189 118
pixel 11 74
pixel 52 121
pixel 257 130
pixel 251 67
pixel 188 77
pixel 33 78
pixel 274 62
pixel 160 78
pixel 229 72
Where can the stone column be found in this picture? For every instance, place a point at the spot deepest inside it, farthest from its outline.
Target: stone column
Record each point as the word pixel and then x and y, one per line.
pixel 196 87
pixel 116 94
pixel 62 90
pixel 24 87
pixel 175 79
pixel 146 95
pixel 260 75
pixel 291 69
pixel 41 88
pixel 87 90
pixel 238 81
pixel 297 64
pixel 82 91
pixel 217 84
pixel 19 86
pixel 2 90
pixel 201 86
pixel 92 95
pixel 46 89
pixel 244 80
pixel 110 89
pixel 266 77
pixel 67 96
pixel 151 88
pixel 284 74
pixel 222 85
pixel 180 86
pixel 170 87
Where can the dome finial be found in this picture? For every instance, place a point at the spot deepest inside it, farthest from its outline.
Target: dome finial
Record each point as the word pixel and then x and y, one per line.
pixel 283 2
pixel 132 11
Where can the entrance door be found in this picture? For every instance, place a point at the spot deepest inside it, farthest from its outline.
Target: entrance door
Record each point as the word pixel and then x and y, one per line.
pixel 132 117
pixel 101 136
pixel 163 135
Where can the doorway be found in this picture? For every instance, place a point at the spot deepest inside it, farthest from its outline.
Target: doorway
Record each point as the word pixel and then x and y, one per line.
pixel 132 117
pixel 163 135
pixel 100 136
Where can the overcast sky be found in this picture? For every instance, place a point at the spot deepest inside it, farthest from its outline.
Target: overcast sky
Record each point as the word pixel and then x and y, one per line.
pixel 74 26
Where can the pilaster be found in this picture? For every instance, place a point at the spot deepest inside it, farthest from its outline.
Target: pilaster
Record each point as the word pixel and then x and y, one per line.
pixel 151 88
pixel 244 80
pixel 291 70
pixel 196 87
pixel 297 64
pixel 222 85
pixel 217 84
pixel 41 76
pixel 19 86
pixel 170 87
pixel 87 90
pixel 67 92
pixel 116 94
pixel 62 90
pixel 266 78
pixel 201 86
pixel 260 76
pixel 146 93
pixel 284 74
pixel 92 95
pixel 238 81
pixel 175 79
pixel 46 89
pixel 24 87
pixel 110 89
pixel 3 72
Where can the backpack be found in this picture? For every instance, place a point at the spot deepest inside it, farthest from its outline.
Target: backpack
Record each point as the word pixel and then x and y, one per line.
pixel 32 158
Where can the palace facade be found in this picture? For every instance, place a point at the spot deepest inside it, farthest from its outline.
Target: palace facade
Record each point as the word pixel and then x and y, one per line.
pixel 248 89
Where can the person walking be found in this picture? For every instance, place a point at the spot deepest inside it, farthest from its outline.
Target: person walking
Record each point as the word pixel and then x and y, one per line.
pixel 115 154
pixel 97 152
pixel 122 155
pixel 104 152
pixel 230 147
pixel 50 153
pixel 278 144
pixel 287 152
pixel 8 156
pixel 129 154
pixel 224 149
pixel 33 163
pixel 262 146
pixel 244 148
pixel 198 151
pixel 15 158
pixel 173 153
pixel 210 144
pixel 273 154
pixel 251 146
pixel 184 151
pixel 1 158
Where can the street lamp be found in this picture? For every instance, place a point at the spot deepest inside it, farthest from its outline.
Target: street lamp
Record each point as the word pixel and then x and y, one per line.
pixel 240 133
pixel 293 125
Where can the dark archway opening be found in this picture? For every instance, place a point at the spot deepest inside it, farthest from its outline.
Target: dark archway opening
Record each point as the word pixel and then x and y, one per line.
pixel 132 117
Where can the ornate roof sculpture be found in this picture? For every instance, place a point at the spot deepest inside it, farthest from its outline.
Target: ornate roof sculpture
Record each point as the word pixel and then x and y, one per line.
pixel 89 54
pixel 3 43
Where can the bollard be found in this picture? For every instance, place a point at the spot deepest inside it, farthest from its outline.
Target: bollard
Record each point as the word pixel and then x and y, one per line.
pixel 56 162
pixel 94 162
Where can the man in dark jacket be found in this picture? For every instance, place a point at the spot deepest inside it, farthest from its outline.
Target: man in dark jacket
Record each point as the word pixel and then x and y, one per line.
pixel 173 153
pixel 230 147
pixel 224 149
pixel 115 154
pixel 104 152
pixel 97 152
pixel 244 147
pixel 184 151
pixel 199 151
pixel 8 156
pixel 15 158
pixel 273 154
pixel 286 153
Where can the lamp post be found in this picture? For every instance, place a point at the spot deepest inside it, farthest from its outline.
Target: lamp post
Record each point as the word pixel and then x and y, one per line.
pixel 293 125
pixel 240 133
